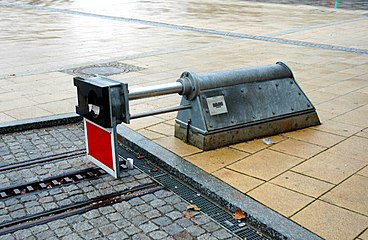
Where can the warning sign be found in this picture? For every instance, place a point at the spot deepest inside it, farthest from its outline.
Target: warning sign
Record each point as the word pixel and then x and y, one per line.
pixel 101 144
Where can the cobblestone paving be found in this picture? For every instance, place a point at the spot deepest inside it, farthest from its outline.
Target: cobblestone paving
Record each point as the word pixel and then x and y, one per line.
pixel 153 216
pixel 23 146
pixel 41 171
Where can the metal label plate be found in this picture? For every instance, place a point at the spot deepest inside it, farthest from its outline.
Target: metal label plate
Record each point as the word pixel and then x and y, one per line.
pixel 216 105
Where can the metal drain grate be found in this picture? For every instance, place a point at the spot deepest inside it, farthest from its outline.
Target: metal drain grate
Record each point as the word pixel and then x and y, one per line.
pixel 208 207
pixel 103 69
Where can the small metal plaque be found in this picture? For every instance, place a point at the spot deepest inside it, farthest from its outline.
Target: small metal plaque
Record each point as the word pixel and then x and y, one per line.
pixel 216 105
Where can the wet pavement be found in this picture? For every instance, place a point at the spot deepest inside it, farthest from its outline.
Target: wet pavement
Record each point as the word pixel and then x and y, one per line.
pixel 157 215
pixel 317 176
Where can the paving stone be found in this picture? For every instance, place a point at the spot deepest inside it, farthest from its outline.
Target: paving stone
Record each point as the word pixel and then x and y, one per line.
pixel 60 232
pixel 165 209
pixel 201 219
pixel 211 226
pixel 39 228
pixel 184 222
pixel 45 234
pixel 7 237
pixel 108 229
pixel 82 226
pixel 106 210
pixel 157 203
pixel 98 222
pixel 144 208
pixel 91 234
pixel 222 234
pixel 162 221
pixel 138 220
pixel 50 206
pixel 148 197
pixel 158 234
pixel 195 230
pixel 18 214
pixel 131 230
pixel 21 234
pixel 122 223
pixel 206 236
pixel 72 236
pixel 152 214
pixel 136 201
pixel 123 206
pixel 148 227
pixel 92 214
pixel 183 235
pixel 163 194
pixel 174 215
pixel 173 229
pixel 118 236
pixel 140 236
pixel 57 224
pixel 114 216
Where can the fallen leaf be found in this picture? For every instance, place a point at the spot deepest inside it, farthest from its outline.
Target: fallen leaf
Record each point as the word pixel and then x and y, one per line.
pixel 239 215
pixel 193 207
pixel 188 215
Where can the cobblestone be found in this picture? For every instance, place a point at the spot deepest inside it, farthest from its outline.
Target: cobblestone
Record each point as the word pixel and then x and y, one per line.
pixel 153 216
pixel 22 146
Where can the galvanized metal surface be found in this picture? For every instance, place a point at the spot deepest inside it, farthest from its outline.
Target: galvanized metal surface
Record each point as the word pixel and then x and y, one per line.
pixel 260 102
pixel 156 90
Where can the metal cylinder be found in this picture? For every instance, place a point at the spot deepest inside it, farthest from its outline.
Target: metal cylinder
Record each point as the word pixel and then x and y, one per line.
pixel 155 90
pixel 200 82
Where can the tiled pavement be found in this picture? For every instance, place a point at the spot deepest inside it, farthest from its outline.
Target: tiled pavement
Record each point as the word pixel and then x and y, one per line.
pixel 318 177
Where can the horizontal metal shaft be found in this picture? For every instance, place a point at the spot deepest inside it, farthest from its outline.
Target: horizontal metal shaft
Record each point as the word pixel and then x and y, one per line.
pixel 160 111
pixel 155 90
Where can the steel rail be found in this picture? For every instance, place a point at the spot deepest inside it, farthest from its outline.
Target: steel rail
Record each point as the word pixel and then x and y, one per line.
pixel 78 208
pixel 51 158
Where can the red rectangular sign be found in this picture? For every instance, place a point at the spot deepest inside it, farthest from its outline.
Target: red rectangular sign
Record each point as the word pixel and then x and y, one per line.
pixel 101 143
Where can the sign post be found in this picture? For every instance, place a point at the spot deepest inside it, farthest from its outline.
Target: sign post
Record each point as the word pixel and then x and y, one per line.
pixel 101 147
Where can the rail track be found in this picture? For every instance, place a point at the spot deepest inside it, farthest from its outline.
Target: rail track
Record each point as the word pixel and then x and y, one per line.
pixel 77 208
pixel 50 158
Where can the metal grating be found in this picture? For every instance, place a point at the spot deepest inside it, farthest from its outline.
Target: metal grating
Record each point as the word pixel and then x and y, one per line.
pixel 190 195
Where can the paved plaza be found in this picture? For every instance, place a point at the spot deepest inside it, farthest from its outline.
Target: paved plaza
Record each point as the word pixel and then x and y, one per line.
pixel 317 177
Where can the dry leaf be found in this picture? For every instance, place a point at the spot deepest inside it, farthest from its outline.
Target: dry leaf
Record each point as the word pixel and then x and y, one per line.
pixel 188 215
pixel 239 214
pixel 193 207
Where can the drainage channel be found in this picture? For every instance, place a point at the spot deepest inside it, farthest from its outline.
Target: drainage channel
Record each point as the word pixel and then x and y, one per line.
pixel 221 215
pixel 63 212
pixel 51 158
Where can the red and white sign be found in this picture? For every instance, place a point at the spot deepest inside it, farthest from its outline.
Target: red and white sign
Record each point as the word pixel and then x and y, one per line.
pixel 101 143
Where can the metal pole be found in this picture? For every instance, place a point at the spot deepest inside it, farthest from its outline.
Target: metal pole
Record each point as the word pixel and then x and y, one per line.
pixel 160 111
pixel 156 90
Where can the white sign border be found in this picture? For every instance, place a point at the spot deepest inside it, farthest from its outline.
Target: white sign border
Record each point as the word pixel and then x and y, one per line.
pixel 115 172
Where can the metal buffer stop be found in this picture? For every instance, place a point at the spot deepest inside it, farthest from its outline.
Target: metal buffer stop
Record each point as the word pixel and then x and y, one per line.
pixel 217 109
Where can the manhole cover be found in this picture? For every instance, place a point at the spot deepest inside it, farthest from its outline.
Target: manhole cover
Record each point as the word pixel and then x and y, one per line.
pixel 104 69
